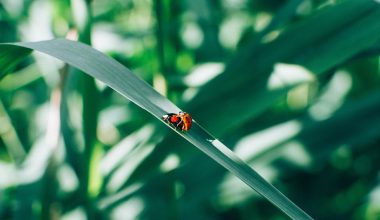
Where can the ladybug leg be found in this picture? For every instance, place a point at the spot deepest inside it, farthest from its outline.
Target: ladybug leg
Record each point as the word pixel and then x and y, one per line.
pixel 180 124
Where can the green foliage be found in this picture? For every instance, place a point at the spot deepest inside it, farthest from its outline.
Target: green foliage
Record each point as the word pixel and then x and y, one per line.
pixel 297 99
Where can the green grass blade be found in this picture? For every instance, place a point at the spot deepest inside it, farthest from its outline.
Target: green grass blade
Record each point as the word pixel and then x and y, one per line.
pixel 129 85
pixel 335 34
pixel 9 57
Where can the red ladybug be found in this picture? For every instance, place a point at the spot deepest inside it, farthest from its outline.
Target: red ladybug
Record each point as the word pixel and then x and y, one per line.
pixel 181 121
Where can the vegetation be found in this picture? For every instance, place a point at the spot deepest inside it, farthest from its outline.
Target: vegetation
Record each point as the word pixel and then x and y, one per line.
pixel 290 86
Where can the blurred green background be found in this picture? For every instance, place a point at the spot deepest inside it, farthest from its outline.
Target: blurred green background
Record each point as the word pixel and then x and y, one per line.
pixel 292 86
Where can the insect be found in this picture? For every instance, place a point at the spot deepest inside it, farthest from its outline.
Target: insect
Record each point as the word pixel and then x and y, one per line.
pixel 181 121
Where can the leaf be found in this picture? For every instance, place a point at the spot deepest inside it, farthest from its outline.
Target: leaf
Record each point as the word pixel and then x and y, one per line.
pixel 334 34
pixel 129 85
pixel 242 89
pixel 9 57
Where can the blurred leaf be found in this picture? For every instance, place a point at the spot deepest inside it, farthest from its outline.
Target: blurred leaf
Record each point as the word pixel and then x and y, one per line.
pixel 282 16
pixel 241 93
pixel 354 124
pixel 9 136
pixel 244 83
pixel 20 78
pixel 9 57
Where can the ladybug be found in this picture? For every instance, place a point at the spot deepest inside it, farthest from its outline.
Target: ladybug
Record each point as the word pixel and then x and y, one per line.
pixel 181 121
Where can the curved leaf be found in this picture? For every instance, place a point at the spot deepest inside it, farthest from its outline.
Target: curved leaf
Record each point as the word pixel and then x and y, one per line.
pixel 129 85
